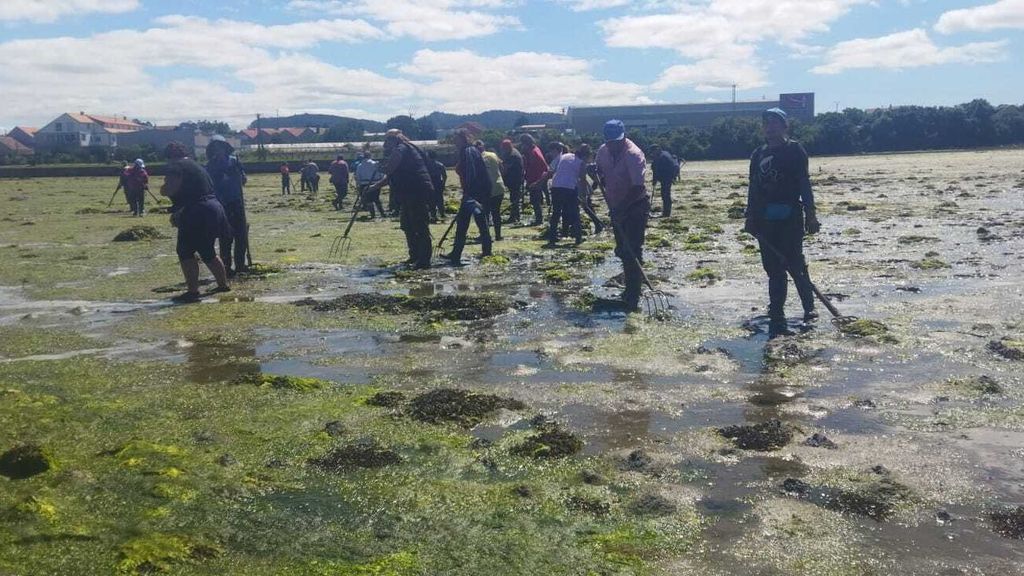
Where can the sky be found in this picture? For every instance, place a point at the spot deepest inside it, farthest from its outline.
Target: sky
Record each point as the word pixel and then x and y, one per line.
pixel 168 61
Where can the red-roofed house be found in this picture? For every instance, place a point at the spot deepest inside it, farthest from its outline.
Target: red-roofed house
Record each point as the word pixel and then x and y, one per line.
pixel 25 135
pixel 80 130
pixel 11 147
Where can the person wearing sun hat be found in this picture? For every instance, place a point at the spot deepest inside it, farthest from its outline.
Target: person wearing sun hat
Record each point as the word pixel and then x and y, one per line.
pixel 780 210
pixel 622 167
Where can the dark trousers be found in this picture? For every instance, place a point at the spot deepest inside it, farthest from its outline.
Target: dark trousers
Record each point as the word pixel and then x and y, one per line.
pixel 340 191
pixel 414 221
pixel 564 206
pixel 137 201
pixel 587 204
pixel 629 225
pixel 515 198
pixel 286 185
pixel 666 197
pixel 494 210
pixel 369 200
pixel 787 236
pixel 470 211
pixel 537 194
pixel 437 202
pixel 239 238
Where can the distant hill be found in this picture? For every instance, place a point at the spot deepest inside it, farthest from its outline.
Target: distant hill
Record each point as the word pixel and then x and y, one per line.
pixel 491 119
pixel 322 120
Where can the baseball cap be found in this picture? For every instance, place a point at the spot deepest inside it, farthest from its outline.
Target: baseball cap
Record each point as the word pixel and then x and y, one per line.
pixel 614 130
pixel 777 112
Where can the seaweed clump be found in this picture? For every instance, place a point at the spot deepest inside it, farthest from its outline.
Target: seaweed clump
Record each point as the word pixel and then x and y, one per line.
pixel 551 441
pixel 442 307
pixel 24 461
pixel 1008 348
pixel 863 328
pixel 877 500
pixel 158 552
pixel 282 382
pixel 360 455
pixel 386 399
pixel 764 437
pixel 137 233
pixel 1009 523
pixel 452 405
pixel 703 275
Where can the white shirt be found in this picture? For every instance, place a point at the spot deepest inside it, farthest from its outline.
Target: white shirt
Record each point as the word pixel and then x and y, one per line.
pixel 567 171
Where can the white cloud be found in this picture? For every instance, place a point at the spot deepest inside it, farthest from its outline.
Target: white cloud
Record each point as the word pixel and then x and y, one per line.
pixel 587 5
pixel 242 71
pixel 464 82
pixel 722 37
pixel 711 75
pixel 909 49
pixel 51 10
pixel 427 20
pixel 1002 14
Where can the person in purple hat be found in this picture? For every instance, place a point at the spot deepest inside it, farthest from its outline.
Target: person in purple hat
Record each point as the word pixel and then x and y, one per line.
pixel 780 210
pixel 622 166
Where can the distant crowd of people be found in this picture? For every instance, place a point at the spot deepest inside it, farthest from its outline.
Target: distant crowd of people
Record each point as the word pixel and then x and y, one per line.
pixel 208 203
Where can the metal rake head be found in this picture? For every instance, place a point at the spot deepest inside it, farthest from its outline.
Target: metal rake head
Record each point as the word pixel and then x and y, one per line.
pixel 841 322
pixel 341 246
pixel 655 303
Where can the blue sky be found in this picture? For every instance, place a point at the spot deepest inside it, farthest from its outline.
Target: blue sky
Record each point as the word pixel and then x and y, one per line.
pixel 168 61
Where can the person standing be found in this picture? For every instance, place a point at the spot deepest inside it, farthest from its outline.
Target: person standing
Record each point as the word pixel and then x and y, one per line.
pixel 513 176
pixel 536 171
pixel 439 179
pixel 493 207
pixel 366 174
pixel 586 192
pixel 476 192
pixel 200 220
pixel 622 166
pixel 122 184
pixel 780 210
pixel 664 171
pixel 339 179
pixel 311 174
pixel 228 177
pixel 135 187
pixel 406 174
pixel 570 174
pixel 286 179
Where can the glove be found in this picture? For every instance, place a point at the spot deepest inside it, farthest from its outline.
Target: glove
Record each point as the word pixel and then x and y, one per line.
pixel 811 224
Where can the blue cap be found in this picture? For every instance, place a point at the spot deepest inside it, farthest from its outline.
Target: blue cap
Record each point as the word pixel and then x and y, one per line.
pixel 777 112
pixel 614 130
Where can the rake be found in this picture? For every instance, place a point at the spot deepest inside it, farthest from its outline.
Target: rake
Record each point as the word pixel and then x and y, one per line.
pixel 838 319
pixel 439 249
pixel 342 245
pixel 655 301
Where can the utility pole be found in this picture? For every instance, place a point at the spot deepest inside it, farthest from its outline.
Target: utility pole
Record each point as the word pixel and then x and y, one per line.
pixel 734 98
pixel 260 152
pixel 837 106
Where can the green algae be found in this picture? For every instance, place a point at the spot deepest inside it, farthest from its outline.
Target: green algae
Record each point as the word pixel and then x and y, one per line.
pixel 556 276
pixel 1009 348
pixel 703 275
pixel 496 260
pixel 282 382
pixel 137 233
pixel 929 263
pixel 864 328
pixel 17 341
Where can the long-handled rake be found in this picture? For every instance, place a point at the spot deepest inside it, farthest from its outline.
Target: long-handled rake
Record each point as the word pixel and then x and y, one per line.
pixel 655 302
pixel 439 249
pixel 838 319
pixel 342 245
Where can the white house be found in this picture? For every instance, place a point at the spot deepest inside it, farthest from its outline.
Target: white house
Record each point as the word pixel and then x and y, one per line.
pixel 81 130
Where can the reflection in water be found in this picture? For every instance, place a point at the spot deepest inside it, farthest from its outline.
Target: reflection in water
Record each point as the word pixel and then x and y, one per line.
pixel 211 361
